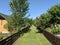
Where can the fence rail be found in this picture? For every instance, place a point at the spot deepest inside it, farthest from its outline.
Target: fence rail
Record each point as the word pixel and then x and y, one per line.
pixel 11 39
pixel 52 38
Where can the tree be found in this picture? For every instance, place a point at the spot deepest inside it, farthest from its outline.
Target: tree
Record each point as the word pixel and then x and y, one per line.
pixel 19 7
pixel 51 17
pixel 55 13
pixel 19 10
pixel 55 20
pixel 43 20
pixel 28 21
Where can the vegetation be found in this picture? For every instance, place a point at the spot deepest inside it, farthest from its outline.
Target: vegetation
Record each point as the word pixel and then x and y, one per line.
pixel 55 12
pixel 3 35
pixel 28 21
pixel 55 20
pixel 50 19
pixel 43 20
pixel 19 17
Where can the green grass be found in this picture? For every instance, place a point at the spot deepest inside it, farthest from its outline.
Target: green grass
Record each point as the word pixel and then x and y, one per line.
pixel 3 35
pixel 32 38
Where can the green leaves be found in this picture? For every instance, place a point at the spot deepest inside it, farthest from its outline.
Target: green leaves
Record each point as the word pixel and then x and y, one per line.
pixel 51 17
pixel 19 6
pixel 19 10
pixel 55 10
pixel 44 19
pixel 55 13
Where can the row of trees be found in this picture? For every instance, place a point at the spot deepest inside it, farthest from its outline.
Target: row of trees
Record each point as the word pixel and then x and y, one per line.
pixel 49 19
pixel 19 17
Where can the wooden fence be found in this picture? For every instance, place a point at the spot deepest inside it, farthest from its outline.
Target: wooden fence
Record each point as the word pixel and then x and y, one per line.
pixel 52 38
pixel 11 39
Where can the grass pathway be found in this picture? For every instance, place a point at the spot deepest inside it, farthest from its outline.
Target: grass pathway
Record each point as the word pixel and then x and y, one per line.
pixel 32 38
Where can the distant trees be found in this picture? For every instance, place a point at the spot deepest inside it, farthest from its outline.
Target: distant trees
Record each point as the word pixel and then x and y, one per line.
pixel 28 21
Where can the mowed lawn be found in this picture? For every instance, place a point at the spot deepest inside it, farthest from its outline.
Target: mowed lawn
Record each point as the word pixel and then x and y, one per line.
pixel 32 38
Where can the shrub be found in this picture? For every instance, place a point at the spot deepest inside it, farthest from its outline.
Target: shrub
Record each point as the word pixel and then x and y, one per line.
pixel 56 30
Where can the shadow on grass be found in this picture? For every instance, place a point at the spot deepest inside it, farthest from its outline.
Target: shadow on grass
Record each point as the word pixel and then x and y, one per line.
pixel 25 31
pixel 39 30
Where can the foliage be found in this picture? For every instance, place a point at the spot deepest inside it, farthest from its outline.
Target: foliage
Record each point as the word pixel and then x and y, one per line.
pixel 28 21
pixel 19 10
pixel 43 20
pixel 49 19
pixel 55 12
pixel 56 30
pixel 19 7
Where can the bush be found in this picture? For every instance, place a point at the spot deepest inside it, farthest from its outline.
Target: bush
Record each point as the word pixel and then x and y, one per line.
pixel 56 30
pixel 40 29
